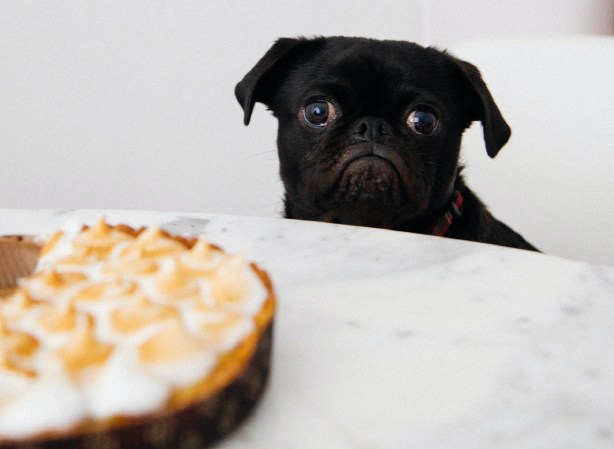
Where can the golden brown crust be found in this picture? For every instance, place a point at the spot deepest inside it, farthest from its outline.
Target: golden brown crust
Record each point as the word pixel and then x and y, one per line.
pixel 18 256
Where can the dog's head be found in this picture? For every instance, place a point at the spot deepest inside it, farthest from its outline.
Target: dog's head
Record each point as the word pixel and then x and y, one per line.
pixel 369 131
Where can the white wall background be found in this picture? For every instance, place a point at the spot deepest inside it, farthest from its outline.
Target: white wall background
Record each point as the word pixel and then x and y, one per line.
pixel 451 21
pixel 130 104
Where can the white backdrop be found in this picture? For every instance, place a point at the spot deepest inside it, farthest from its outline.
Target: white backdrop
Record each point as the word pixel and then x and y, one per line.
pixel 130 104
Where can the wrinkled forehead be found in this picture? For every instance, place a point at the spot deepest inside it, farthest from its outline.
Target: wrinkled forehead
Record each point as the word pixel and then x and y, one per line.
pixel 380 69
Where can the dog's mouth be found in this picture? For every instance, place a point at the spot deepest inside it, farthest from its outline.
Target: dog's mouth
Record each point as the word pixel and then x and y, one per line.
pixel 371 183
pixel 365 155
pixel 368 177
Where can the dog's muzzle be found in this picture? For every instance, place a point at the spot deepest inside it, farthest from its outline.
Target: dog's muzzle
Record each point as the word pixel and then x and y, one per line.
pixel 369 168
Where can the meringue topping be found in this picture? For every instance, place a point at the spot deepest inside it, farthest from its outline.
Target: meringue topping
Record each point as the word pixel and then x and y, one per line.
pixel 109 306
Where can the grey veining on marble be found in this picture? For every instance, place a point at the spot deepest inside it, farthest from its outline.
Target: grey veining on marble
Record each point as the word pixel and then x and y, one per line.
pixel 393 340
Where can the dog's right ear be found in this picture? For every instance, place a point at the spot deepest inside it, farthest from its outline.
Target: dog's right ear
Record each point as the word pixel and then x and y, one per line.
pixel 261 82
pixel 496 130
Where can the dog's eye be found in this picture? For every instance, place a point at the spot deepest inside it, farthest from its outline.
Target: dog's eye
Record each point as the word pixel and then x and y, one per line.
pixel 319 113
pixel 422 122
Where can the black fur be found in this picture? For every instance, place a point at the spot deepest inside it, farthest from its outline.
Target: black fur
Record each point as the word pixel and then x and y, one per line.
pixel 366 166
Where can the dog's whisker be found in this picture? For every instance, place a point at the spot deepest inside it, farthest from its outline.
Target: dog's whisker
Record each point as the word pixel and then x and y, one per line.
pixel 261 154
pixel 261 207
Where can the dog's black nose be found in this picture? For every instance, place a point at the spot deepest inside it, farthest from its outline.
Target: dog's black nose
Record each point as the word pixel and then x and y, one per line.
pixel 371 129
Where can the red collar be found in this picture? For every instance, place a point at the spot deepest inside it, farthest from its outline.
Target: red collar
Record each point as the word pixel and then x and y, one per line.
pixel 455 210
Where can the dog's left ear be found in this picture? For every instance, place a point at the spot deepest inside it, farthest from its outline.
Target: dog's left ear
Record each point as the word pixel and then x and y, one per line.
pixel 262 81
pixel 483 108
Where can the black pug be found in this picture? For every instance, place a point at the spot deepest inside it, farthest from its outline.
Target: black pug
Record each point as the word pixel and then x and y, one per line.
pixel 370 133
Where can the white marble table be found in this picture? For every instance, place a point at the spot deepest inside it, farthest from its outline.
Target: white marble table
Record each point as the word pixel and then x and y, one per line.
pixel 393 340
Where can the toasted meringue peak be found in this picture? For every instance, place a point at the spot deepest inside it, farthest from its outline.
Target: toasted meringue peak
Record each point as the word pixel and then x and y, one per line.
pixel 229 283
pixel 84 350
pixel 176 281
pixel 51 243
pixel 16 350
pixel 57 319
pixel 98 240
pixel 52 279
pixel 11 367
pixel 202 251
pixel 171 343
pixel 18 343
pixel 106 290
pixel 139 314
pixel 132 261
pixel 155 243
pixel 15 305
